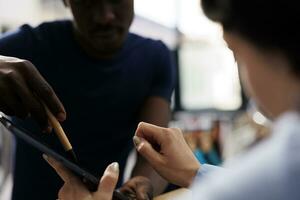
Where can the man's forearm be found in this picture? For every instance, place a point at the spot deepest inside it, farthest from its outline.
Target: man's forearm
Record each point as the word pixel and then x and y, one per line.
pixel 142 168
pixel 156 110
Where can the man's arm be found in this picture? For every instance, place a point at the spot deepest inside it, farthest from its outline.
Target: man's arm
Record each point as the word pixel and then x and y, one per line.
pixel 156 110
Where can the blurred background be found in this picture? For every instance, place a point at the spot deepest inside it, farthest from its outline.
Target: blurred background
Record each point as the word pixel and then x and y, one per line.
pixel 208 103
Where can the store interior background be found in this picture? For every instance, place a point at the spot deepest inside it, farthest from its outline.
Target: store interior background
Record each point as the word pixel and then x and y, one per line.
pixel 208 103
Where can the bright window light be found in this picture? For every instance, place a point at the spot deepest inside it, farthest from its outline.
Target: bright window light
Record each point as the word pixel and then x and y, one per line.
pixel 160 11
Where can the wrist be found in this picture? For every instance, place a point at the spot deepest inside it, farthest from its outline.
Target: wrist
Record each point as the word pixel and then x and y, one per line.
pixel 192 175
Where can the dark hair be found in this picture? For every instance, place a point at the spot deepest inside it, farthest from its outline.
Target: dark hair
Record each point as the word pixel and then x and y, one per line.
pixel 269 24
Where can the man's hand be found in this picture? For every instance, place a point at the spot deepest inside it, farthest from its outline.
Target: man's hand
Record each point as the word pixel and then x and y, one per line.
pixel 22 89
pixel 139 188
pixel 73 189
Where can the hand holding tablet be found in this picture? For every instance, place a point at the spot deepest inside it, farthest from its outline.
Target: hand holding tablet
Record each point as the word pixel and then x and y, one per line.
pixel 68 166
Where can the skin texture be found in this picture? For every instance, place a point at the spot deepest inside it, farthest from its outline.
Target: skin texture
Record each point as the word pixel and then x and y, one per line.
pixel 155 110
pixel 158 145
pixel 100 28
pixel 22 89
pixel 75 190
pixel 100 34
pixel 266 77
pixel 139 187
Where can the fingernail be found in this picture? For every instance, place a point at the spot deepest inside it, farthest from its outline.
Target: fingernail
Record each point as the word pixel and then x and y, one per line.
pixel 115 167
pixel 137 140
pixel 61 117
pixel 141 123
pixel 45 157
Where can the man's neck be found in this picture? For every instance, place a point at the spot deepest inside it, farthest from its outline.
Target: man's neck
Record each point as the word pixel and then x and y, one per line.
pixel 91 51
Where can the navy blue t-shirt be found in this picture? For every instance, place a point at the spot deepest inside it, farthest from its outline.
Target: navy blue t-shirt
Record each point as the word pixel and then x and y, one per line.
pixel 102 99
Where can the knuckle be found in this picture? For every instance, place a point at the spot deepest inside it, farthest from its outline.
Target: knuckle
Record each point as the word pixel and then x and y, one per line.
pixel 141 125
pixel 26 68
pixel 171 134
pixel 9 75
pixel 27 64
pixel 20 65
pixel 168 132
pixel 176 130
pixel 24 65
pixel 29 67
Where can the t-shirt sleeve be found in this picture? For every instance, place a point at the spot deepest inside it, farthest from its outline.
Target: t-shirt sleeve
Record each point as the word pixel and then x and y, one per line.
pixel 17 43
pixel 164 73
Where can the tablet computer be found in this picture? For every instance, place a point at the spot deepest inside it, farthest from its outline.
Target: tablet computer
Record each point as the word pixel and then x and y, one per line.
pixel 88 179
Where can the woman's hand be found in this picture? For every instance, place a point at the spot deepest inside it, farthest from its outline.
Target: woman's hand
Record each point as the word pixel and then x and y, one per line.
pixel 73 189
pixel 168 153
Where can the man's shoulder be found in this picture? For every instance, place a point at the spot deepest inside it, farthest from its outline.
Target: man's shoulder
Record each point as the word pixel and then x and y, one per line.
pixel 28 32
pixel 17 42
pixel 51 29
pixel 55 25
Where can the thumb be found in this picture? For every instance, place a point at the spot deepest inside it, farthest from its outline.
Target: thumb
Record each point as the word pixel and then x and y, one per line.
pixel 147 151
pixel 108 182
